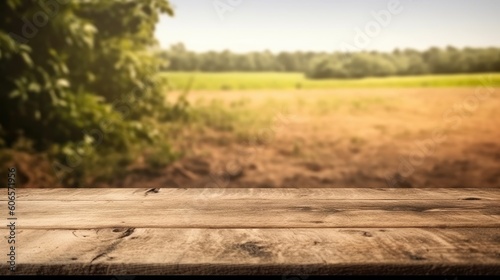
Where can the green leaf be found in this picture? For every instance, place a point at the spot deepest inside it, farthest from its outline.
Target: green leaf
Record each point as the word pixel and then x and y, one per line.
pixel 34 87
pixel 27 59
pixel 15 93
pixel 63 83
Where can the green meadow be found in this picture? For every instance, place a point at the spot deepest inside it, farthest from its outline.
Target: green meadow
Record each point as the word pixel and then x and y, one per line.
pixel 287 81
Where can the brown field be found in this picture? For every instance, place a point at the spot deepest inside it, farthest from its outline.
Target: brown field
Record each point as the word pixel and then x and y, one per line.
pixel 339 138
pixel 324 138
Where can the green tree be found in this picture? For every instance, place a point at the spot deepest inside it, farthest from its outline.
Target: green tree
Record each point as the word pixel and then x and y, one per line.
pixel 72 68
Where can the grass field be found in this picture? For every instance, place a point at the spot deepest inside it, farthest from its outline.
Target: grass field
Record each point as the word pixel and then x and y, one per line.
pixel 380 136
pixel 355 137
pixel 286 81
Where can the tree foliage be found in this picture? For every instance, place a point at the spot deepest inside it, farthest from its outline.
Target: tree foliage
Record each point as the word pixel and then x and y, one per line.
pixel 181 59
pixel 320 65
pixel 77 74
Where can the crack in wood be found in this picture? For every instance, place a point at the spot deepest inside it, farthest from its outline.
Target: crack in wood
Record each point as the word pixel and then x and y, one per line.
pixel 100 255
pixel 153 190
pixel 128 232
pixel 407 208
pixel 114 244
pixel 329 210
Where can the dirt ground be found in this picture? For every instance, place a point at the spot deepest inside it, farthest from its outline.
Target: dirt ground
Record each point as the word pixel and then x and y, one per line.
pixel 361 138
pixel 423 138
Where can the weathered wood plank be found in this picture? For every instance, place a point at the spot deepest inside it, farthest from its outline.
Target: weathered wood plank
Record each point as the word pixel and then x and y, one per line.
pixel 130 194
pixel 258 251
pixel 256 213
pixel 257 231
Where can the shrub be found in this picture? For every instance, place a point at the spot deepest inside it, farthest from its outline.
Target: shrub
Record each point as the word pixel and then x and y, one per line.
pixel 78 78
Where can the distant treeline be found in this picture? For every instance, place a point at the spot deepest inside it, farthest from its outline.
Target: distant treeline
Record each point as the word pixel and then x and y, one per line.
pixel 320 65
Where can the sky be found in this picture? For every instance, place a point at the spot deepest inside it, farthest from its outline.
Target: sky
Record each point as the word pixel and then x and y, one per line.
pixel 329 25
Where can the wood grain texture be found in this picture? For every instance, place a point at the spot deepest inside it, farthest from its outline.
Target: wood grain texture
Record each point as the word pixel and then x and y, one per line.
pixel 131 194
pixel 259 251
pixel 251 213
pixel 256 231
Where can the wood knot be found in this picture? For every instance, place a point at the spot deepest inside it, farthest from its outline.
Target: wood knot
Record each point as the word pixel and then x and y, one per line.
pixel 254 249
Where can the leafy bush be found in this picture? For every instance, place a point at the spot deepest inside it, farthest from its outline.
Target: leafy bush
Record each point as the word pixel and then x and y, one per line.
pixel 78 78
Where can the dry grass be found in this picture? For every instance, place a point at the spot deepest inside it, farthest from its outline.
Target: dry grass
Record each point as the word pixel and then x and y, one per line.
pixel 339 138
pixel 325 138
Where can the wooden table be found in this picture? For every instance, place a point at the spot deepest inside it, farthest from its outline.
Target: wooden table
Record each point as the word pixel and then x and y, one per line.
pixel 255 231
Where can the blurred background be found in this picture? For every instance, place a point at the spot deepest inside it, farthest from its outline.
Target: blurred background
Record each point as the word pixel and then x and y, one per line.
pixel 250 93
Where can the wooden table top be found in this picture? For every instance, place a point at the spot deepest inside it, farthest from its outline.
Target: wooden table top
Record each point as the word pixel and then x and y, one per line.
pixel 255 231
